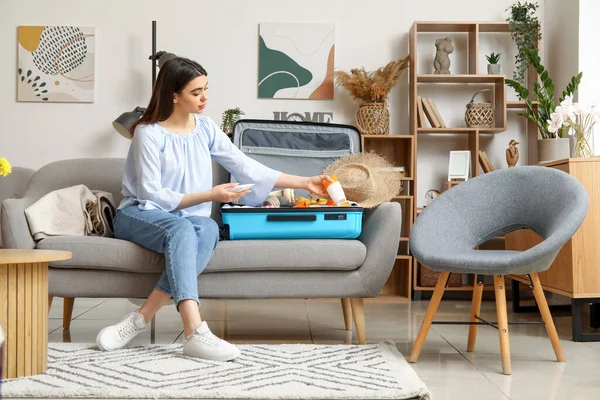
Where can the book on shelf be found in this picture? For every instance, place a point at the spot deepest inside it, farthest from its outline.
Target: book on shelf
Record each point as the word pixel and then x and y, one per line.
pixel 420 113
pixel 437 114
pixel 430 114
pixel 485 162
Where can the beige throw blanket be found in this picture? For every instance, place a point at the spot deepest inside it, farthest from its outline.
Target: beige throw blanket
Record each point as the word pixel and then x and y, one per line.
pixel 73 211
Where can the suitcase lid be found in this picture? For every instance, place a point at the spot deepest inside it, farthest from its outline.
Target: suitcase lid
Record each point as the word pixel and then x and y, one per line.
pixel 296 135
pixel 297 148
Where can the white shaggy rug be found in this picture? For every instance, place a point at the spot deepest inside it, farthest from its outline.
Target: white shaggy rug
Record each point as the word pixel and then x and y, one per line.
pixel 285 371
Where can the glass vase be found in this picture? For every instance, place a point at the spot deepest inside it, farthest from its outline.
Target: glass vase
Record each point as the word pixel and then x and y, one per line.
pixel 582 143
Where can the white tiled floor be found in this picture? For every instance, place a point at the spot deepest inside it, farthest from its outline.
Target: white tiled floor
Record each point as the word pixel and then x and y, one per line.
pixel 444 365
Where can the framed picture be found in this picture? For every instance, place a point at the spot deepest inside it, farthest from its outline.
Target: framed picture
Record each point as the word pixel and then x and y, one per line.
pixel 295 61
pixel 55 64
pixel 459 166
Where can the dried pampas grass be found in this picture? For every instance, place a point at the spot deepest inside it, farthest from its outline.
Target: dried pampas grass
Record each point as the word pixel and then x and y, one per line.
pixel 372 86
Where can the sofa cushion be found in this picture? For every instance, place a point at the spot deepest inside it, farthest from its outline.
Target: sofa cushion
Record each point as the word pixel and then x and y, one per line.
pixel 91 252
pixel 94 252
pixel 287 255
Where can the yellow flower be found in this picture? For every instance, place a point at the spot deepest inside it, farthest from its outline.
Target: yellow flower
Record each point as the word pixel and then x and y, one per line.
pixel 5 167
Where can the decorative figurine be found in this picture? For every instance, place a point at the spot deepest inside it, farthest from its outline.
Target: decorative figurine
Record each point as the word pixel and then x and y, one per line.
pixel 441 62
pixel 512 153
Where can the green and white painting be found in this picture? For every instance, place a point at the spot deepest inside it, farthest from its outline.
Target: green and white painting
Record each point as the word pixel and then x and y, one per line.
pixel 295 61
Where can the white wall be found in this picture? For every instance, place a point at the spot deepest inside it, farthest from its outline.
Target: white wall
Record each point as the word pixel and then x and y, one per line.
pixel 589 58
pixel 570 40
pixel 225 43
pixel 560 40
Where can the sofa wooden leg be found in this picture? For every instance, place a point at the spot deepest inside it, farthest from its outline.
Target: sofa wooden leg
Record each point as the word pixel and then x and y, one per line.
pixel 68 312
pixel 540 299
pixel 347 309
pixel 475 311
pixel 358 312
pixel 428 319
pixel 50 298
pixel 500 289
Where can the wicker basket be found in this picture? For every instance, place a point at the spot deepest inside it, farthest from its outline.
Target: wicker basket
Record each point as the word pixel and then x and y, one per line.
pixel 479 115
pixel 429 278
pixel 373 119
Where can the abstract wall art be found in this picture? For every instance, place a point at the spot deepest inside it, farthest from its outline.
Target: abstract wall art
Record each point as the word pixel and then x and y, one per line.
pixel 295 61
pixel 55 64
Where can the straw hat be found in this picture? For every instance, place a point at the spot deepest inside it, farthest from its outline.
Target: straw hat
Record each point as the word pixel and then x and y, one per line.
pixel 366 178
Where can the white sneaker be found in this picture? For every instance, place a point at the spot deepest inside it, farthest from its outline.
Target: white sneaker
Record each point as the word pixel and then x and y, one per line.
pixel 203 343
pixel 117 336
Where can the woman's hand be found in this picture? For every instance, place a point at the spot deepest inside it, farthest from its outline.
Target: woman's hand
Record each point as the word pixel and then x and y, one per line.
pixel 220 193
pixel 315 185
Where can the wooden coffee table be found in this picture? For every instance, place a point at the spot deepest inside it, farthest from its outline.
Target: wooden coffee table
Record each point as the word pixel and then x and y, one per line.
pixel 24 309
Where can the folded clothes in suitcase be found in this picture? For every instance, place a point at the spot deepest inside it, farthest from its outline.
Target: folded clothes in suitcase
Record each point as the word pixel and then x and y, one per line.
pixel 299 148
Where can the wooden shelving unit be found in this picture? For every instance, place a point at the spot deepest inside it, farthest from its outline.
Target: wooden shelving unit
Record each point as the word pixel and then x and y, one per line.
pixel 399 150
pixel 495 82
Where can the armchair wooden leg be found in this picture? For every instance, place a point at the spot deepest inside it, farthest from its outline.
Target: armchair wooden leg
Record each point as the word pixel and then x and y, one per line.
pixel 50 298
pixel 347 308
pixel 68 312
pixel 358 312
pixel 540 299
pixel 431 310
pixel 475 311
pixel 500 290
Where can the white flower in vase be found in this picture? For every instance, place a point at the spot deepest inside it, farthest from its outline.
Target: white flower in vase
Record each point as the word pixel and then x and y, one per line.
pixel 577 119
pixel 567 108
pixel 555 122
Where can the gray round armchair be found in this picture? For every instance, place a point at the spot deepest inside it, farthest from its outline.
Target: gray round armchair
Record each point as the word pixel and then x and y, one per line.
pixel 446 235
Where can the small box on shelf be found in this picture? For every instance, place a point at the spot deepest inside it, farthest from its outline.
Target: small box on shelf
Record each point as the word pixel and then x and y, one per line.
pixel 429 278
pixel 451 184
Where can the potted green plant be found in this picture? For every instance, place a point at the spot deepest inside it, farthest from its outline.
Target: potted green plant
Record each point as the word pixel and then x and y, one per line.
pixel 230 117
pixel 541 105
pixel 493 67
pixel 526 33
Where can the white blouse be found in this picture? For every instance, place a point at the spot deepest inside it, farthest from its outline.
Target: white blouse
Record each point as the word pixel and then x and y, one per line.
pixel 162 166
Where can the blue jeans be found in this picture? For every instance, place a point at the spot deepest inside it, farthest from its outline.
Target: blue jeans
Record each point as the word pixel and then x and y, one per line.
pixel 187 243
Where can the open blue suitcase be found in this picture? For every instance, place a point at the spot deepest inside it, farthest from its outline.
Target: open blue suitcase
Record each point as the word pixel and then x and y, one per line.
pixel 299 148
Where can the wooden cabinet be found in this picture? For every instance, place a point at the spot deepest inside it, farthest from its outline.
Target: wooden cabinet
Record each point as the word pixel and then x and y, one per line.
pixel 576 271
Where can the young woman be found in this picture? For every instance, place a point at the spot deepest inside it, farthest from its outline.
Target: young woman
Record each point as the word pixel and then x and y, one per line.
pixel 167 195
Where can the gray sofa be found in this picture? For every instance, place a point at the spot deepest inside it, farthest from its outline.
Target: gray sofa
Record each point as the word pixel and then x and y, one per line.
pixel 111 268
pixel 13 186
